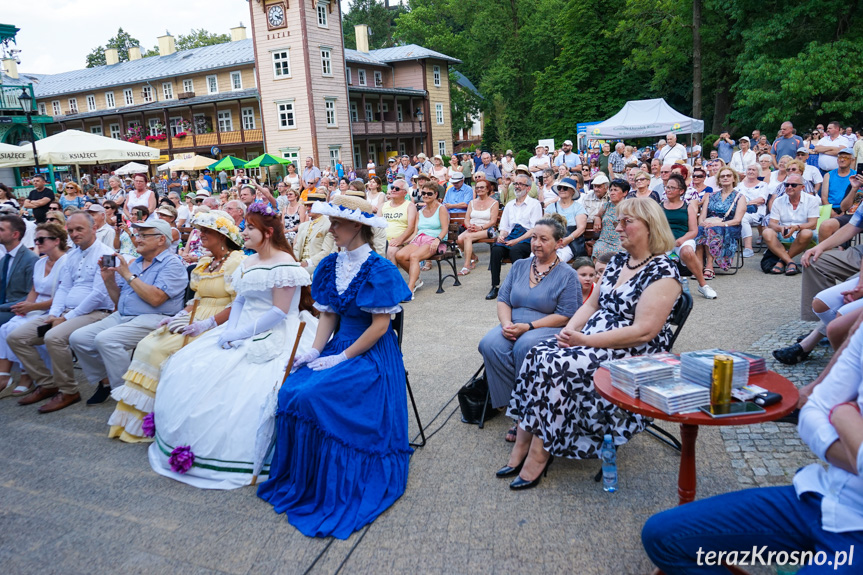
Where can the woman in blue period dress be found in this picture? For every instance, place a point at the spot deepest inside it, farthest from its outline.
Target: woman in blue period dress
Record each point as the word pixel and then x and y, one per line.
pixel 342 453
pixel 211 392
pixel 558 410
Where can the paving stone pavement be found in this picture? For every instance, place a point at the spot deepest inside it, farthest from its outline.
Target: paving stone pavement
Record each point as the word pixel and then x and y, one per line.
pixel 73 501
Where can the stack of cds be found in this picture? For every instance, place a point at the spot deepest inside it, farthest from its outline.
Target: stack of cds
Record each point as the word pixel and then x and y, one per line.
pixel 676 396
pixel 697 367
pixel 630 373
pixel 670 358
pixel 756 362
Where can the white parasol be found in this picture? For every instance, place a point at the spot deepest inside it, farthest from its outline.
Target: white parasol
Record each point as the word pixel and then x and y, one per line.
pixel 15 156
pixel 132 168
pixel 77 147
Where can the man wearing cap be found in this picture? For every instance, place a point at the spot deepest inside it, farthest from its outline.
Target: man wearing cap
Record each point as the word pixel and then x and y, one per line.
pixel 79 300
pixel 568 158
pixel 595 198
pixel 491 171
pixel 743 158
pixel 787 145
pixel 538 163
pixel 811 174
pixel 458 196
pixel 313 241
pixel 507 163
pixel 406 169
pixel 829 146
pixel 836 181
pixel 104 232
pixel 145 291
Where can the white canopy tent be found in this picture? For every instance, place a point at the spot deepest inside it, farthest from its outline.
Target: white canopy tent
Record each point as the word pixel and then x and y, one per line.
pixel 15 156
pixel 132 168
pixel 646 118
pixel 169 165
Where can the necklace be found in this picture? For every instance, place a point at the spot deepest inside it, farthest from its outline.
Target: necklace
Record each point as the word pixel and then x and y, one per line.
pixel 539 276
pixel 217 263
pixel 635 267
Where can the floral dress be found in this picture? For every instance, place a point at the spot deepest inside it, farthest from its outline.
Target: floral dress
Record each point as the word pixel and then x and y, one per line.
pixel 721 242
pixel 554 397
pixel 609 240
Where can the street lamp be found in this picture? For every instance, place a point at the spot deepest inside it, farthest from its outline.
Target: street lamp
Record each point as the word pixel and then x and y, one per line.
pixel 419 115
pixel 26 101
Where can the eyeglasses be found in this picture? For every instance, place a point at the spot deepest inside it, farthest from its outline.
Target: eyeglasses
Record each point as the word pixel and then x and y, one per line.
pixel 793 185
pixel 147 235
pixel 41 240
pixel 642 179
pixel 623 221
pixel 725 176
pixel 428 194
pixel 671 189
pixel 521 185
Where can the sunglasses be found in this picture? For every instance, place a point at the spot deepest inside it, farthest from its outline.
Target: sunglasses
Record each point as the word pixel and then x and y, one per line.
pixel 697 175
pixel 429 194
pixel 69 188
pixel 42 239
pixel 52 220
pixel 793 185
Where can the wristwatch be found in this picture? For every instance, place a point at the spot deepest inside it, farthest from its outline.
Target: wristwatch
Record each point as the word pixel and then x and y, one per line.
pixel 530 326
pixel 131 278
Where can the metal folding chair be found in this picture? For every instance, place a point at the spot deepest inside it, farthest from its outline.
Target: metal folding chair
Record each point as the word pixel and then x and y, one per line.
pixel 398 323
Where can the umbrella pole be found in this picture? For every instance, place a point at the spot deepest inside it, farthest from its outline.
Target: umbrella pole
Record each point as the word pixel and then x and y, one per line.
pixel 191 319
pixel 300 330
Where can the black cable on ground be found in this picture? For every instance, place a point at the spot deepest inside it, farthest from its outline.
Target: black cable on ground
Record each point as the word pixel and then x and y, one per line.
pixel 318 558
pixel 351 550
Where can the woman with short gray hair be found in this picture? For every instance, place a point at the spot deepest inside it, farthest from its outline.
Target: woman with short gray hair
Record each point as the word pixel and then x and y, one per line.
pixel 115 192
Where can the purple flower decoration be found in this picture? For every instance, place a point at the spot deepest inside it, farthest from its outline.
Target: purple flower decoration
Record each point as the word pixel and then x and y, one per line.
pixel 265 209
pixel 181 459
pixel 148 425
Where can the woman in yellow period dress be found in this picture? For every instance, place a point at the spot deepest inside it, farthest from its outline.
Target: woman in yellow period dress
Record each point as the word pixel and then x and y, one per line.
pixel 213 294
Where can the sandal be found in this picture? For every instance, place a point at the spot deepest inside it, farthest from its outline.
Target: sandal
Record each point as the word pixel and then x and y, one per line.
pixel 510 434
pixel 709 274
pixel 778 269
pixel 792 269
pixel 472 264
pixel 464 271
pixel 426 267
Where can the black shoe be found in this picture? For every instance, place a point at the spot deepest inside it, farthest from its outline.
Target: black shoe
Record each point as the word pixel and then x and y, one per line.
pixel 103 392
pixel 492 294
pixel 508 471
pixel 520 484
pixel 791 418
pixel 791 355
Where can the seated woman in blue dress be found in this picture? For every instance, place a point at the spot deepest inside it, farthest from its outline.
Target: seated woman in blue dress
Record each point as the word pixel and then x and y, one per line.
pixel 342 453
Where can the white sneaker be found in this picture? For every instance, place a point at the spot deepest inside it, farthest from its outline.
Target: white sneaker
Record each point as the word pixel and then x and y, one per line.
pixel 748 253
pixel 707 292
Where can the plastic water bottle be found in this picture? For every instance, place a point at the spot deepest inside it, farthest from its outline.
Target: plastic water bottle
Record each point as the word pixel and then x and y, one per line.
pixel 609 465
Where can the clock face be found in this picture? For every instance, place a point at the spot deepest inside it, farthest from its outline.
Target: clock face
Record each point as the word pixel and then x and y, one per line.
pixel 276 15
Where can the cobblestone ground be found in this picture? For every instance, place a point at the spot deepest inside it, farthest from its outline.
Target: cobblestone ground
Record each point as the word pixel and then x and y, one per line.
pixel 771 453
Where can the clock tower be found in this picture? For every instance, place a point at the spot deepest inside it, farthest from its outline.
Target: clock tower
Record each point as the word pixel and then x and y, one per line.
pixel 300 67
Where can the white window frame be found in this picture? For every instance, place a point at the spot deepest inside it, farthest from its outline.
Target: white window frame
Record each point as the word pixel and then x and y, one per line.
pixel 281 62
pixel 335 155
pixel 438 113
pixel 289 108
pixel 379 79
pixel 323 20
pixel 292 154
pixel 349 75
pixel 96 130
pixel 247 118
pixel 147 94
pixel 326 61
pixel 73 105
pixel 370 114
pixel 55 107
pixel 361 77
pixel 152 123
pixel 114 130
pixel 355 114
pixel 372 150
pixel 110 102
pixel 436 75
pixel 168 90
pixel 174 125
pixel 91 103
pixel 399 114
pixel 215 82
pixel 235 76
pixel 43 109
pixel 189 85
pixel 385 108
pixel 227 117
pixel 441 147
pixel 403 149
pixel 330 111
pixel 129 97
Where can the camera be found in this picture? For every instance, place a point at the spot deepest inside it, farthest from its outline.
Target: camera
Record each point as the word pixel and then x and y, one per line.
pixel 109 261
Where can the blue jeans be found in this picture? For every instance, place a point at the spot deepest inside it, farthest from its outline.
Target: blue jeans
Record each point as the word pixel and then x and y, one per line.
pixel 765 519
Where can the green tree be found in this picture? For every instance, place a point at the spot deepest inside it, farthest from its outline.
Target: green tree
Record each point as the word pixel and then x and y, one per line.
pixel 377 17
pixel 122 42
pixel 200 38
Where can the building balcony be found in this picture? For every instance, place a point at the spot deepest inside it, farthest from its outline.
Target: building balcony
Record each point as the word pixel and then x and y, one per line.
pixel 386 128
pixel 212 139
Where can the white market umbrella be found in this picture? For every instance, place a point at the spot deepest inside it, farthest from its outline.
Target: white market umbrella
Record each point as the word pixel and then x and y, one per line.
pixel 132 168
pixel 15 156
pixel 77 147
pixel 169 165
pixel 194 164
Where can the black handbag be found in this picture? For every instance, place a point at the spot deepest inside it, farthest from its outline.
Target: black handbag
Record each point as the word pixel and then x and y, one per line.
pixel 473 398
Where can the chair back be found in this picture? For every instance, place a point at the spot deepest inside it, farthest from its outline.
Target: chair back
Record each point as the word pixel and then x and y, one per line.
pixel 679 315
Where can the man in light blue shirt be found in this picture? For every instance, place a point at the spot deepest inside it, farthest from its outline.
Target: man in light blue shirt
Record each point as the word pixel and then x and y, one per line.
pixel 406 168
pixel 148 290
pixel 724 146
pixel 821 514
pixel 568 158
pixel 491 171
pixel 459 195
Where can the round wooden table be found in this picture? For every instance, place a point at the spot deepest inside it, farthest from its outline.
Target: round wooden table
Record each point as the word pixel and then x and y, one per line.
pixel 689 422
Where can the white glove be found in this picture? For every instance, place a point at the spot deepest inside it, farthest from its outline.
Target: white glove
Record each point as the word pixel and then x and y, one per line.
pixel 266 321
pixel 167 320
pixel 197 328
pixel 327 362
pixel 305 358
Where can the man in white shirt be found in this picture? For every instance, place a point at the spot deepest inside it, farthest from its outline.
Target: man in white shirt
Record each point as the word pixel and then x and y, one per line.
pixel 820 516
pixel 743 158
pixel 104 231
pixel 829 147
pixel 519 217
pixel 793 218
pixel 81 299
pixel 183 215
pixel 673 152
pixel 537 164
pixel 424 163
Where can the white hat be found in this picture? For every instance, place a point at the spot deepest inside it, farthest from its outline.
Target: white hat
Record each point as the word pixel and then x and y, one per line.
pixel 567 142
pixel 350 208
pixel 456 177
pixel 599 179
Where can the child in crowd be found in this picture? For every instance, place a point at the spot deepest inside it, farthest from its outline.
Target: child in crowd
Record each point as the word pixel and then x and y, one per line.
pixel 586 275
pixel 600 264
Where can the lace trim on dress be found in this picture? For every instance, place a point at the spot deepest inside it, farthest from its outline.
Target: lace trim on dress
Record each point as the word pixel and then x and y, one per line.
pixel 348 265
pixel 260 278
pixel 389 310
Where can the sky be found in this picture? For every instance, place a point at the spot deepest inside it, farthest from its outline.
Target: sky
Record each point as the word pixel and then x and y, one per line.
pixel 67 30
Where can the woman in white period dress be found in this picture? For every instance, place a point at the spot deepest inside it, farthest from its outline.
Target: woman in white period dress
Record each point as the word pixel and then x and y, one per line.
pixel 209 401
